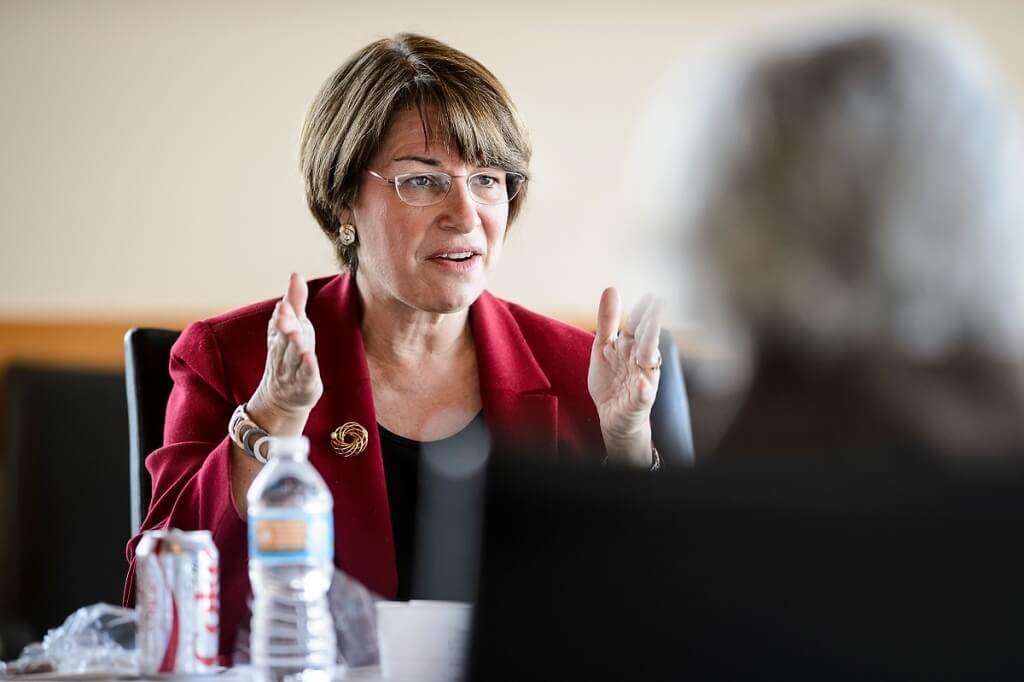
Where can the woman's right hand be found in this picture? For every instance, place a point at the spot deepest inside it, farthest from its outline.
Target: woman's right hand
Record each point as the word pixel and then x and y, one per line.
pixel 291 383
pixel 290 387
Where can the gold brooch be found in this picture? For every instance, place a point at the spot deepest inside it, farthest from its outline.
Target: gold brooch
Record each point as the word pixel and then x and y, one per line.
pixel 349 439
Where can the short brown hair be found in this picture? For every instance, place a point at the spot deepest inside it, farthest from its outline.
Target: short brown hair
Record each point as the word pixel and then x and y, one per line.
pixel 354 109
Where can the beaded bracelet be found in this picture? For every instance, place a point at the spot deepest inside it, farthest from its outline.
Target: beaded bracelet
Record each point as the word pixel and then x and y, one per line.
pixel 655 459
pixel 244 433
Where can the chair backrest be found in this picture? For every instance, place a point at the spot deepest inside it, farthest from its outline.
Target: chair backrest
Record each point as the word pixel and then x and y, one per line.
pixel 147 355
pixel 65 494
pixel 670 415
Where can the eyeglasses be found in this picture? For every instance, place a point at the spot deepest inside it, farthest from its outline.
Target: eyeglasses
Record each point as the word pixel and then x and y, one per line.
pixel 490 188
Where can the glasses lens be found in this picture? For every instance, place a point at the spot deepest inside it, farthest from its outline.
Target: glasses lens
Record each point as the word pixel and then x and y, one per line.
pixel 422 189
pixel 495 187
pixel 514 181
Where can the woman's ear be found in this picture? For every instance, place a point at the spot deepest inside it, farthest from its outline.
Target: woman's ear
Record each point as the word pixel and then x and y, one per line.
pixel 344 214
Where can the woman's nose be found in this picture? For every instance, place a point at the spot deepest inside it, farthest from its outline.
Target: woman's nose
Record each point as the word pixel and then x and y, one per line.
pixel 462 211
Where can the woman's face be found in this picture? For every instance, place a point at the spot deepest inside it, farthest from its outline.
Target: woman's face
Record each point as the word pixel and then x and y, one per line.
pixel 416 254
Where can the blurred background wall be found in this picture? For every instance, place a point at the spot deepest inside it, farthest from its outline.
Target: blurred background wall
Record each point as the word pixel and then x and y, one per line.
pixel 148 167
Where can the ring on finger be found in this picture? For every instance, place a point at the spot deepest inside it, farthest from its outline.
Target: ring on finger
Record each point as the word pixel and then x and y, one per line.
pixel 654 368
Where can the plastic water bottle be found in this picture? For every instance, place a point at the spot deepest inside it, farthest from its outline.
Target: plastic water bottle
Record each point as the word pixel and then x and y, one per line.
pixel 291 562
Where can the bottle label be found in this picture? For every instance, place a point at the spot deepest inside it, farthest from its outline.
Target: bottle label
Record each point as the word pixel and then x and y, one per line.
pixel 287 535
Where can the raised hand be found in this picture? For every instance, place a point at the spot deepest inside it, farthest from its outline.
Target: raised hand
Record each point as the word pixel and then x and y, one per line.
pixel 624 373
pixel 291 383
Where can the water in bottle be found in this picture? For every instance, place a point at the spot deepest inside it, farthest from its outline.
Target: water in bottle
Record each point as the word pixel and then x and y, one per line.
pixel 291 562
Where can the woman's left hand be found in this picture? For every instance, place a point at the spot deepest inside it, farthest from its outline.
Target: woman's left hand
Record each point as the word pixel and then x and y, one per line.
pixel 624 374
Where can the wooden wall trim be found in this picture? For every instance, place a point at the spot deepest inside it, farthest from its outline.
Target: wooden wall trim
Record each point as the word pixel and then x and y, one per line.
pixel 95 344
pixel 82 344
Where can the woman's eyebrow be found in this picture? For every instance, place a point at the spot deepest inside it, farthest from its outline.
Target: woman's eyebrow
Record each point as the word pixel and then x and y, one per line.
pixel 422 159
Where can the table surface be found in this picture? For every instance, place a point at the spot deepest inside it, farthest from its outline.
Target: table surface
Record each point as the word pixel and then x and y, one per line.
pixel 239 674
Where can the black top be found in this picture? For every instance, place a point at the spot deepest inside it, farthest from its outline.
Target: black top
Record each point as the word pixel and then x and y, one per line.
pixel 401 472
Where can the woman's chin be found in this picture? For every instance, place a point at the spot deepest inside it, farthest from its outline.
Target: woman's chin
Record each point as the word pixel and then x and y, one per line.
pixel 454 305
pixel 453 300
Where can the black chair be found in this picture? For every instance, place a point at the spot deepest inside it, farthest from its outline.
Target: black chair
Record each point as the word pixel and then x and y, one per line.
pixel 147 355
pixel 670 415
pixel 66 492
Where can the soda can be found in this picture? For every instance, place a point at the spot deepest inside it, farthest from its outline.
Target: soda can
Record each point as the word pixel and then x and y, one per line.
pixel 177 594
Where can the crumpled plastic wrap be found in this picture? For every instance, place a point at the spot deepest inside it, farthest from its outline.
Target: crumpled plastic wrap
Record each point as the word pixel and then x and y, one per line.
pixel 93 639
pixel 101 638
pixel 355 623
pixel 355 620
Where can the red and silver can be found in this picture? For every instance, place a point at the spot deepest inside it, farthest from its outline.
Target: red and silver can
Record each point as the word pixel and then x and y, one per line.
pixel 177 594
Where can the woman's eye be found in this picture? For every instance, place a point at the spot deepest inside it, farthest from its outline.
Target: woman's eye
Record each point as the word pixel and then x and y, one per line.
pixel 421 181
pixel 486 181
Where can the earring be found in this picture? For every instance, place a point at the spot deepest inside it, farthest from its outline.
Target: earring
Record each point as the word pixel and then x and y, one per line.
pixel 347 234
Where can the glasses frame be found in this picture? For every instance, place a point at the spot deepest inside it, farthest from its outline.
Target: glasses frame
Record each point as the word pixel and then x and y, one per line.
pixel 394 180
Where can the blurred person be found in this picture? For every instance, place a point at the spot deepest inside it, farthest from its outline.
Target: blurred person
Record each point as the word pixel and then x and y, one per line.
pixel 416 163
pixel 851 247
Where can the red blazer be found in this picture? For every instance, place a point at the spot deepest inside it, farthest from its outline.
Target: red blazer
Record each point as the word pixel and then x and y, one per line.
pixel 533 385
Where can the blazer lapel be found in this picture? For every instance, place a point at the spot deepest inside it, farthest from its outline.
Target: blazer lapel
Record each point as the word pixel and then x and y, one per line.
pixel 364 542
pixel 520 410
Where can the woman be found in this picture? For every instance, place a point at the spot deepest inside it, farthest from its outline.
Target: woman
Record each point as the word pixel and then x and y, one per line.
pixel 853 248
pixel 415 163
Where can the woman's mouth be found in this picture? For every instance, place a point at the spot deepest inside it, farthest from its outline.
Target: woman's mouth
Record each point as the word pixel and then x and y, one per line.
pixel 456 256
pixel 458 261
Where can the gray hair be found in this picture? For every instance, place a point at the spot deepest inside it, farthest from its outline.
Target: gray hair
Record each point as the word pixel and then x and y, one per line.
pixel 856 195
